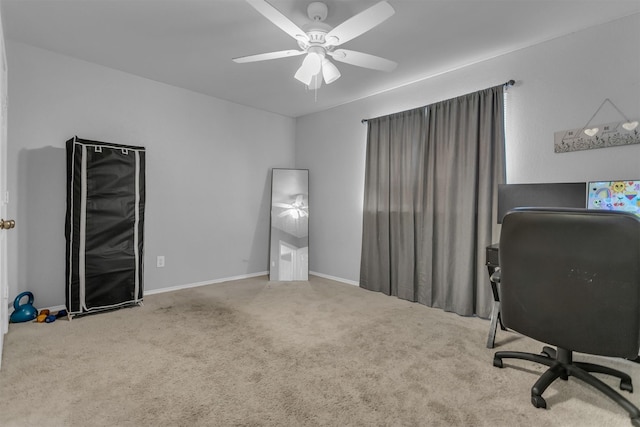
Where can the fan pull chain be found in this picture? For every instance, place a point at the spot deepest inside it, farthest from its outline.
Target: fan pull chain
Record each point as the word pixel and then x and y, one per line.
pixel 315 95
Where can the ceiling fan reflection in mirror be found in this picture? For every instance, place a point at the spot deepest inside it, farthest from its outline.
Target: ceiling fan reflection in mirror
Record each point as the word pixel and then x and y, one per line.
pixel 297 209
pixel 318 40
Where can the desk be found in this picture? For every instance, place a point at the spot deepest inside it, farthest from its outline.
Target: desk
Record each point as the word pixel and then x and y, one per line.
pixel 493 263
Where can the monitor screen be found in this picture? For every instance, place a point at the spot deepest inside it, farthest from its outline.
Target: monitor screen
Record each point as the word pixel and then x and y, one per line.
pixel 614 196
pixel 542 195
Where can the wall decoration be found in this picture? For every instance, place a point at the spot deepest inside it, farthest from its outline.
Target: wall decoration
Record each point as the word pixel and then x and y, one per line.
pixel 614 196
pixel 601 136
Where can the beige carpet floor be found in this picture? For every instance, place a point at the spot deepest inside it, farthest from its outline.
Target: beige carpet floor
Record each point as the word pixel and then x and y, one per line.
pixel 259 353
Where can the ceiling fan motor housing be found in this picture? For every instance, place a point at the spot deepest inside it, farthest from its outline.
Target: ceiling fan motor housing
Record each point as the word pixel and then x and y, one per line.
pixel 316 37
pixel 317 11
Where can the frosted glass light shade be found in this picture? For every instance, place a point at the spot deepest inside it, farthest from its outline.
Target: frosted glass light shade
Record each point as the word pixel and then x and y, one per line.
pixel 310 67
pixel 329 71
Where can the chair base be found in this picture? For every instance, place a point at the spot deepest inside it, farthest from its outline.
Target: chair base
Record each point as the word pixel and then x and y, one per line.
pixel 561 365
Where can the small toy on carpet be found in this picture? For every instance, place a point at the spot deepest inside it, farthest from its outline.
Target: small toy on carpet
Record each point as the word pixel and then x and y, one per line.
pixel 45 316
pixel 42 315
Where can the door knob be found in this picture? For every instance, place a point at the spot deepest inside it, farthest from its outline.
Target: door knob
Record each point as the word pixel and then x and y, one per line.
pixel 6 224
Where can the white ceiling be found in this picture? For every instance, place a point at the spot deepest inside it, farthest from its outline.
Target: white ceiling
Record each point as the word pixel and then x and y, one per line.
pixel 190 43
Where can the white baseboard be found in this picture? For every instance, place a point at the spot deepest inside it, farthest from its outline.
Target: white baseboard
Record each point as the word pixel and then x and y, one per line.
pixel 244 276
pixel 337 279
pixel 207 282
pixel 226 279
pixel 56 308
pixel 178 287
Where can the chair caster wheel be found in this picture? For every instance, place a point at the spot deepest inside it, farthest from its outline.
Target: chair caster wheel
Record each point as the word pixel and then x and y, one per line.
pixel 538 402
pixel 626 386
pixel 497 362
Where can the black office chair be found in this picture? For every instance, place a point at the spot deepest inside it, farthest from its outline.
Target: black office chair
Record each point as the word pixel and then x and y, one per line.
pixel 571 278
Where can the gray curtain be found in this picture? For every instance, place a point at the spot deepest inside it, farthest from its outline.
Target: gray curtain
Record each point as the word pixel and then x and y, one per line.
pixel 431 184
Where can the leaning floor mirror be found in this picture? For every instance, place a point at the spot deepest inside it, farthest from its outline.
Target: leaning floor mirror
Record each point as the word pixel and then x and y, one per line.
pixel 289 251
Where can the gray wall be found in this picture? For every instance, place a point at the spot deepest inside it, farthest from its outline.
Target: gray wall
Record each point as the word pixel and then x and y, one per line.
pixel 208 170
pixel 209 160
pixel 560 85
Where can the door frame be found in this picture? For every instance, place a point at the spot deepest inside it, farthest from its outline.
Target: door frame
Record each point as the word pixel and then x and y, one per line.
pixel 4 284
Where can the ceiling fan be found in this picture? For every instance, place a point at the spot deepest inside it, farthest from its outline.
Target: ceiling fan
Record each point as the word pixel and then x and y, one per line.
pixel 319 40
pixel 297 209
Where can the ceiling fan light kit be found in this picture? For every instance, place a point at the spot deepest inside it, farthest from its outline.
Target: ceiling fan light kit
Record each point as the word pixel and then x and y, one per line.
pixel 330 72
pixel 320 40
pixel 311 65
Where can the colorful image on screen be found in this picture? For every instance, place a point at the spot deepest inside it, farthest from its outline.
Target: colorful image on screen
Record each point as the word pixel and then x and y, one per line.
pixel 614 196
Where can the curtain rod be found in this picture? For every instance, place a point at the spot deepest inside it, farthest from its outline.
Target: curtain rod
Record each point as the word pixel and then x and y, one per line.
pixel 506 85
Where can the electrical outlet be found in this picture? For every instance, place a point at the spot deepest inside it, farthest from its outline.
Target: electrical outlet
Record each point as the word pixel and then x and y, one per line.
pixel 160 261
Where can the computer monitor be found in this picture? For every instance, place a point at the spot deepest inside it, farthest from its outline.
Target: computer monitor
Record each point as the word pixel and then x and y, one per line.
pixel 619 195
pixel 541 195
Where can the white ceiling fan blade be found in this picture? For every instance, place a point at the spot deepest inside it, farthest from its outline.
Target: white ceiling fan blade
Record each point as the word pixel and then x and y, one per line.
pixel 267 56
pixel 283 205
pixel 310 67
pixel 275 16
pixel 359 24
pixel 363 60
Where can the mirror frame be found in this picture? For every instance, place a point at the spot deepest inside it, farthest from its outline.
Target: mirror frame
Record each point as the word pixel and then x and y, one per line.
pixel 289 226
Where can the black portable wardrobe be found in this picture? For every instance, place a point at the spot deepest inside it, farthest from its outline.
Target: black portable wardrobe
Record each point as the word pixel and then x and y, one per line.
pixel 104 226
